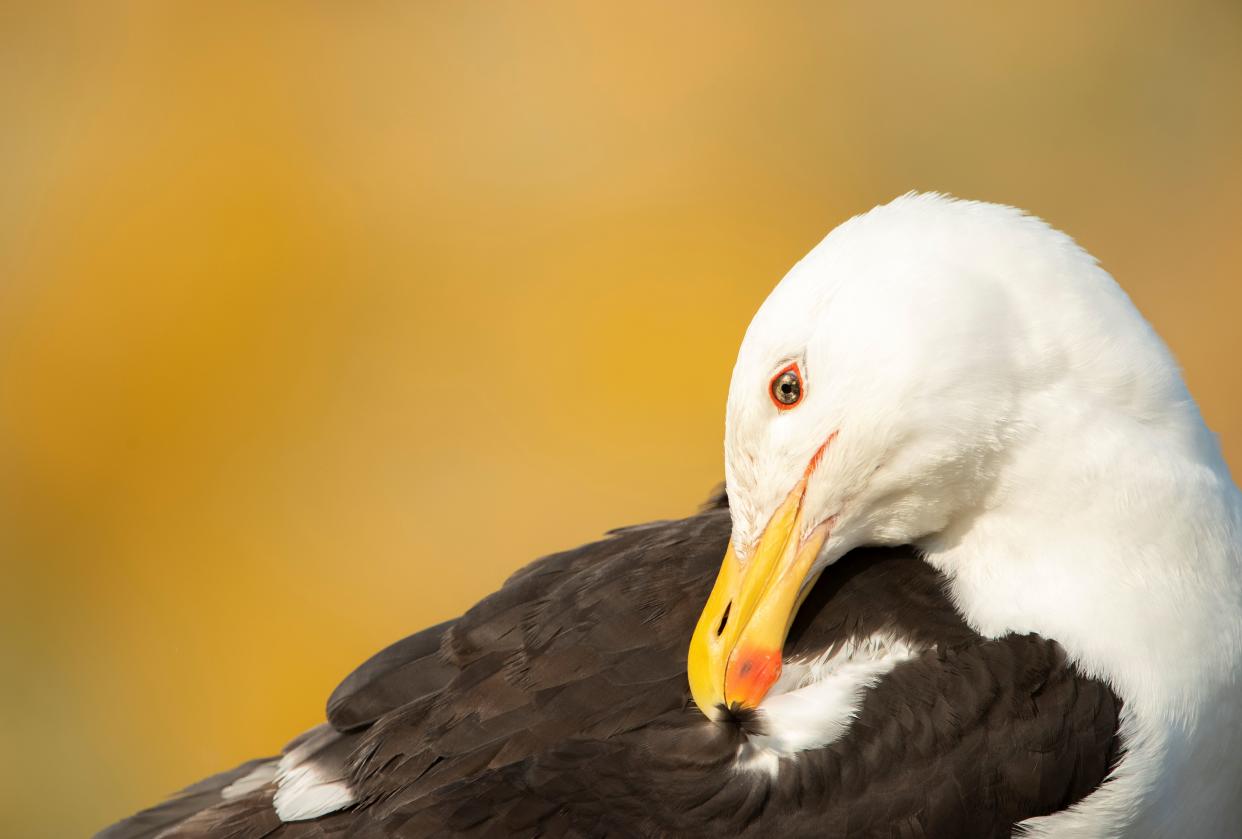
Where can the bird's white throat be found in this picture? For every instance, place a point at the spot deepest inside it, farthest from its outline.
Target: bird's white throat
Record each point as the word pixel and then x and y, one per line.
pixel 1120 540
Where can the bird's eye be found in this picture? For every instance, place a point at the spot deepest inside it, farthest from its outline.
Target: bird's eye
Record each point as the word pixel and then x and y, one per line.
pixel 786 388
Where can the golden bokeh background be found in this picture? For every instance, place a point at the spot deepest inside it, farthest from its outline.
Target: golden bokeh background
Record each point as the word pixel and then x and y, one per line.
pixel 319 319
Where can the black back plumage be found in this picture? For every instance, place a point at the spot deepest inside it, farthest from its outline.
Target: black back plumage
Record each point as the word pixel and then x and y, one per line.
pixel 558 706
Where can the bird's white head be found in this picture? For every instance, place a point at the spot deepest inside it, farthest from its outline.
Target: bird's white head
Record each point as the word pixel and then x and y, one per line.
pixel 895 384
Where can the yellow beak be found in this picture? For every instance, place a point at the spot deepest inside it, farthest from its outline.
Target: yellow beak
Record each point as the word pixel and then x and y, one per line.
pixel 735 654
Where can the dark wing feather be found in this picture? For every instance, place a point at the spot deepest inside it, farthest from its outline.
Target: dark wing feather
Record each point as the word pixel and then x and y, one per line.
pixel 400 673
pixel 1013 734
pixel 559 706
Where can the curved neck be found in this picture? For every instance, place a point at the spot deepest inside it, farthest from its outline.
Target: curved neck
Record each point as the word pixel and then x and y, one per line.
pixel 1118 539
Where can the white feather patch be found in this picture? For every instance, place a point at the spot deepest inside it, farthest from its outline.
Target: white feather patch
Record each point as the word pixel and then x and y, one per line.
pixel 815 700
pixel 306 793
pixel 309 784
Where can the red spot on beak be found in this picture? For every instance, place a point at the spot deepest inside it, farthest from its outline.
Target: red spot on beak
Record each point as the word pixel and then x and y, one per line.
pixel 750 675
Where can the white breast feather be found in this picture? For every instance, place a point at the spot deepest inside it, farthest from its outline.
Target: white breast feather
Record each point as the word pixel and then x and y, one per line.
pixel 815 700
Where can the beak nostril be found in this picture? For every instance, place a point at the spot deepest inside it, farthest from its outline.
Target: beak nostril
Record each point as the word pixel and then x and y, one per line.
pixel 724 619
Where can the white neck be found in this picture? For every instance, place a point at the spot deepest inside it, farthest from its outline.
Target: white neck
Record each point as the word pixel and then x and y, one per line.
pixel 1119 538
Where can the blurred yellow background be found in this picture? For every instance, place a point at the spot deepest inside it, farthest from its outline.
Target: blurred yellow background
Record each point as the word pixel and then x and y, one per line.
pixel 319 319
